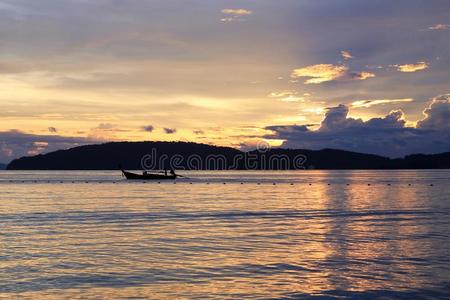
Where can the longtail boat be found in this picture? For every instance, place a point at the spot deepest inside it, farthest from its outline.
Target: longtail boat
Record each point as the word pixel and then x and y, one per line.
pixel 148 176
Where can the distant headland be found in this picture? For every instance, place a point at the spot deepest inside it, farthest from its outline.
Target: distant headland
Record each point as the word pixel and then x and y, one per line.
pixel 194 156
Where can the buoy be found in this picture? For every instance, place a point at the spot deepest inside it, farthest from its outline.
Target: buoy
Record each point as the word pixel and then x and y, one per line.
pixel 310 184
pixel 292 184
pixel 242 183
pixel 190 182
pixel 348 183
pixel 329 184
pixel 274 183
pixel 368 184
pixel 431 184
pixel 389 184
pixel 259 183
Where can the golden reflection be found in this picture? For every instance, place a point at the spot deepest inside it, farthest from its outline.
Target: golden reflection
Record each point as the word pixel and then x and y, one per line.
pixel 181 241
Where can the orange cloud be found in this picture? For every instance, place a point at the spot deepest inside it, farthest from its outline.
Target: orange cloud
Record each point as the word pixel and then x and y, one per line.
pixel 409 68
pixel 362 75
pixel 320 73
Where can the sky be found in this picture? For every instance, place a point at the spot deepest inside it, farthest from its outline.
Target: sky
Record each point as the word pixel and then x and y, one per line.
pixel 366 76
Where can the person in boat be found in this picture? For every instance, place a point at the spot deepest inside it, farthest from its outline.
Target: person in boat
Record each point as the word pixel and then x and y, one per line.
pixel 144 173
pixel 172 172
pixel 165 172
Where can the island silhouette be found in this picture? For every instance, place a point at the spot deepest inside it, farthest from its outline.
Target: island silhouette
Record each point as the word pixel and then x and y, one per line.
pixel 196 156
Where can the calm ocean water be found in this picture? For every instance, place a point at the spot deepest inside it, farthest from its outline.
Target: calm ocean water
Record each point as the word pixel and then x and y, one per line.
pixel 226 235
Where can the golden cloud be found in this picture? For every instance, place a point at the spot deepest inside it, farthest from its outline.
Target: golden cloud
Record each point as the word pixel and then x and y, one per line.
pixel 362 75
pixel 409 68
pixel 369 103
pixel 235 14
pixel 320 73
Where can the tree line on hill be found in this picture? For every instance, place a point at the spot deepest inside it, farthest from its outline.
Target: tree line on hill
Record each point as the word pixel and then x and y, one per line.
pixel 194 156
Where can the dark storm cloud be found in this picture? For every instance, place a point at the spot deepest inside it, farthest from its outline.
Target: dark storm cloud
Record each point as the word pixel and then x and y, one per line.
pixel 14 144
pixel 387 136
pixel 377 33
pixel 438 114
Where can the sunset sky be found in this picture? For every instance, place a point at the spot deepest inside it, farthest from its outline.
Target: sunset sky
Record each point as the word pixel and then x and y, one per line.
pixel 367 76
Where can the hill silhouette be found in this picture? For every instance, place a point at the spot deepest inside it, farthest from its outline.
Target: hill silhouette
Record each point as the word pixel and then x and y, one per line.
pixel 201 156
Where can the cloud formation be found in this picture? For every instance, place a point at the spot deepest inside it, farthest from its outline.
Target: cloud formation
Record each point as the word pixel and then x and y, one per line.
pixel 148 128
pixel 388 135
pixel 235 14
pixel 170 130
pixel 439 27
pixel 361 75
pixel 369 103
pixel 410 68
pixel 37 148
pixel 320 73
pixel 198 132
pixel 346 55
pixel 15 143
pixel 75 64
pixel 328 72
pixel 288 96
pixel 437 115
pixel 106 126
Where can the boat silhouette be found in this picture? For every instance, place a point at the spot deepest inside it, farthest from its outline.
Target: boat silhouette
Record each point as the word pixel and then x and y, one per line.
pixel 148 176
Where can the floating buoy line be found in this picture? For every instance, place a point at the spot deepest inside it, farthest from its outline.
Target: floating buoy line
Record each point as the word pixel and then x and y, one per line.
pixel 216 182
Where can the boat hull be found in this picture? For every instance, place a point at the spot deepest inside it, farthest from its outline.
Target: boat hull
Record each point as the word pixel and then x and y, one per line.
pixel 133 176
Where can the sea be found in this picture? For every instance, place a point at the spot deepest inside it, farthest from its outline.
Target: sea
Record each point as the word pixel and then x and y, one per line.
pixel 304 234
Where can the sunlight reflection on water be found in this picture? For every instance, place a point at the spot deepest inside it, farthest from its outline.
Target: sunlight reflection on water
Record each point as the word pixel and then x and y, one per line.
pixel 98 236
